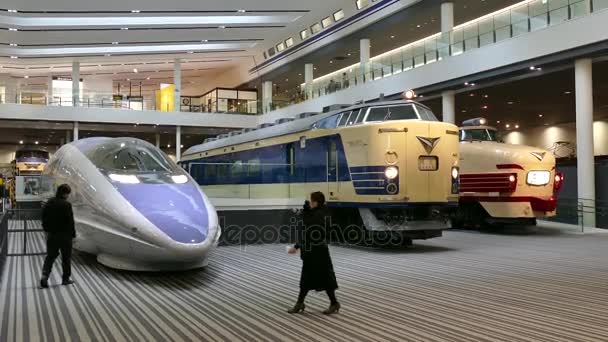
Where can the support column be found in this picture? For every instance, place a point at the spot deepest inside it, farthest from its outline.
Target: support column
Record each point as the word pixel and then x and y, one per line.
pixel 449 106
pixel 75 131
pixel 178 143
pixel 308 78
pixel 584 139
pixel 49 91
pixel 365 45
pixel 177 82
pixel 157 140
pixel 267 96
pixel 67 137
pixel 447 16
pixel 76 84
pixel 61 142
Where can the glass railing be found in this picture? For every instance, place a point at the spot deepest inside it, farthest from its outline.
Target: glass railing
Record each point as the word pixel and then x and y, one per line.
pixel 135 102
pixel 513 21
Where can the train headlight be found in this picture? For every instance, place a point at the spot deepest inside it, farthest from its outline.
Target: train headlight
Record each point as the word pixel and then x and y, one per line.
pixel 391 172
pixel 455 173
pixel 539 177
pixel 181 179
pixel 126 179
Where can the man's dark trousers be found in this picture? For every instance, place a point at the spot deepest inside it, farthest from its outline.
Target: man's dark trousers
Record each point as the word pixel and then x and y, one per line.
pixel 54 245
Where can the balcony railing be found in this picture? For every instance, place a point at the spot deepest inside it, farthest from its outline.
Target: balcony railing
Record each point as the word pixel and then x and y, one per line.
pixel 510 22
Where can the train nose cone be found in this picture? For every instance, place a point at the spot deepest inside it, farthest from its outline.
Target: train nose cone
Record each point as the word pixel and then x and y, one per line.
pixel 178 210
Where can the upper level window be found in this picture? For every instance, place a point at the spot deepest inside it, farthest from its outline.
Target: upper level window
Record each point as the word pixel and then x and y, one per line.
pixel 344 119
pixel 362 3
pixel 328 123
pixel 339 15
pixel 280 47
pixel 271 52
pixel 304 34
pixel 326 22
pixel 316 28
pixel 289 42
pixel 406 112
pixel 353 118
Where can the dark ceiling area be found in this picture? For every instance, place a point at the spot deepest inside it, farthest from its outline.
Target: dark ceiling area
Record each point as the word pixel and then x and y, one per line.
pixel 416 22
pixel 542 100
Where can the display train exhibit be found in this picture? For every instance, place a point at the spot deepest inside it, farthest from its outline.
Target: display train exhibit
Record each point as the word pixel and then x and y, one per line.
pixel 384 167
pixel 30 161
pixel 503 183
pixel 134 208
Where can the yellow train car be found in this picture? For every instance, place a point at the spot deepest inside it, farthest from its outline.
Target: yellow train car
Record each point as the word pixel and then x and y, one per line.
pixel 503 183
pixel 386 166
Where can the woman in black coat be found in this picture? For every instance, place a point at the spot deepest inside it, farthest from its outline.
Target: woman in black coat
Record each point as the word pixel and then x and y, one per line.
pixel 317 268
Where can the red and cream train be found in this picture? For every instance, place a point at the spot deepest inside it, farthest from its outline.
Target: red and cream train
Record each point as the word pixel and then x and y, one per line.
pixel 503 183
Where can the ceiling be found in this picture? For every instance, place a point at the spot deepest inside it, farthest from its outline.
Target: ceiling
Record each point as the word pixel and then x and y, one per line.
pixel 54 133
pixel 416 22
pixel 542 99
pixel 112 38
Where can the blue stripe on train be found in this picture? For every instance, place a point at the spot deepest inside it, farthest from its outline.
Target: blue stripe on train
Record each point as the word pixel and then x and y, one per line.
pixel 372 184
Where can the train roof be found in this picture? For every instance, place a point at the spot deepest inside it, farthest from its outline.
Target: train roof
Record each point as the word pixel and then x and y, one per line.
pixel 281 127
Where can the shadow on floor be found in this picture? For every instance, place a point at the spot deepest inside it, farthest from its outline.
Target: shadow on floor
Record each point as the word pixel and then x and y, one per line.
pixel 515 231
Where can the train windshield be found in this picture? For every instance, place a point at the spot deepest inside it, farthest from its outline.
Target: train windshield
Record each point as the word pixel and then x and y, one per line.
pixel 126 156
pixel 479 134
pixel 400 112
pixel 31 154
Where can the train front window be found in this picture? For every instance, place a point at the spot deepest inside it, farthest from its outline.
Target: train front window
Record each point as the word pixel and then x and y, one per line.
pixel 391 113
pixel 128 156
pixel 481 134
pixel 31 154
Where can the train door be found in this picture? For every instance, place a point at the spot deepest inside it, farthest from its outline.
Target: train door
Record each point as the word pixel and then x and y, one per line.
pixel 333 168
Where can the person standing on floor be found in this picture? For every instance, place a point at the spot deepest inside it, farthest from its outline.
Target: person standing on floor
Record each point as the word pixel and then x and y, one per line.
pixel 58 223
pixel 317 268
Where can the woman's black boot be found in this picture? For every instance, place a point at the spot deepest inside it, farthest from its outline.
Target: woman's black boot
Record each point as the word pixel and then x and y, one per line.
pixel 299 307
pixel 333 308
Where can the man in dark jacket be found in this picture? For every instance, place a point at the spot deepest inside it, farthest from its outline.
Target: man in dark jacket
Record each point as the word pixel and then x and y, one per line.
pixel 58 223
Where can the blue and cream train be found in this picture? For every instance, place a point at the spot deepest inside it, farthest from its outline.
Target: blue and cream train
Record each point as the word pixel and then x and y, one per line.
pixel 383 166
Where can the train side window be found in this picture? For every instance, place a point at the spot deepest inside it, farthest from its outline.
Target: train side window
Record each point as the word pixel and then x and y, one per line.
pixel 291 159
pixel 236 169
pixel 362 113
pixel 332 158
pixel 353 118
pixel 377 114
pixel 209 170
pixel 254 167
pixel 329 123
pixel 344 119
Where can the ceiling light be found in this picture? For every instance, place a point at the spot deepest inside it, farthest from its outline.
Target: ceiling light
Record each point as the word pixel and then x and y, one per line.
pixel 497 121
pixel 485 107
pixel 128 79
pixel 472 84
pixel 26 76
pixel 567 92
pixel 135 11
pixel 12 11
pixel 107 55
pixel 241 11
pixel 540 115
pixel 12 29
pixel 36 142
pixel 124 28
pixel 204 40
pixel 532 68
pixel 14 57
pixel 510 102
pixel 190 51
pixel 516 126
pixel 508 126
pixel 168 146
pixel 466 83
pixel 148 78
pixel 485 96
pixel 21 142
pixel 222 26
pixel 114 43
pixel 13 44
pixel 182 146
pixel 464 110
pixel 135 70
pixel 392 37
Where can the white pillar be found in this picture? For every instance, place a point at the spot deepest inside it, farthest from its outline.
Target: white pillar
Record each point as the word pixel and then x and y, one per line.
pixel 449 106
pixel 308 78
pixel 177 81
pixel 49 91
pixel 447 16
pixel 157 140
pixel 365 46
pixel 178 143
pixel 76 84
pixel 75 131
pixel 584 138
pixel 267 96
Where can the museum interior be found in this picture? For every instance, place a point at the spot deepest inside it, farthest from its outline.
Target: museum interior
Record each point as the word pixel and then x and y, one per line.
pixel 216 170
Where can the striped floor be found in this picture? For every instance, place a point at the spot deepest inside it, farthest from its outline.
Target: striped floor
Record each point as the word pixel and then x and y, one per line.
pixel 466 286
